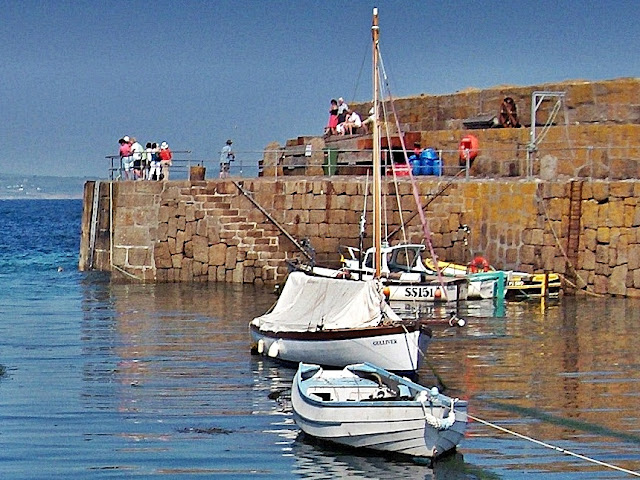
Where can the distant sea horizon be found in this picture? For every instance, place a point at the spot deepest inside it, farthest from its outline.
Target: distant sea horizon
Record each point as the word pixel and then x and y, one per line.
pixel 40 187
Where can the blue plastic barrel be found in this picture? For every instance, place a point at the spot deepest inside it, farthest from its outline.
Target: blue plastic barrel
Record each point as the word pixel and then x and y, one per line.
pixel 415 165
pixel 430 154
pixel 433 163
pixel 424 166
pixel 436 168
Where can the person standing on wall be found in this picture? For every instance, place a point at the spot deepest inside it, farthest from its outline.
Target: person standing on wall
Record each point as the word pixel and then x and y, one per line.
pixel 226 157
pixel 136 154
pixel 125 156
pixel 165 160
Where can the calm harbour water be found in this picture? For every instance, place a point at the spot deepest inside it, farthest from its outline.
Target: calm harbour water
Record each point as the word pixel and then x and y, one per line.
pixel 109 380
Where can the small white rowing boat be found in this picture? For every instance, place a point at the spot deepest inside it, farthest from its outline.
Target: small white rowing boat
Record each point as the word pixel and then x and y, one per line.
pixel 365 406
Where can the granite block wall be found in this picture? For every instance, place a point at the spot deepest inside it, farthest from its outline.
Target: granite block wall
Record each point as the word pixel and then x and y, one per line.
pixel 181 231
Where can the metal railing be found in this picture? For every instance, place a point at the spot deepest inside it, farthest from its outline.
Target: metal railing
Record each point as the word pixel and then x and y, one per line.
pixel 586 162
pixel 246 165
pixel 608 162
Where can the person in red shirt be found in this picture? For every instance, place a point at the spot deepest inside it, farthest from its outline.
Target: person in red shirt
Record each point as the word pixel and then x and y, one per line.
pixel 165 160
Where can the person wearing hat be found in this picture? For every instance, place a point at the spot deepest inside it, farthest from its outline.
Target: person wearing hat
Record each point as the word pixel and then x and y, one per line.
pixel 226 157
pixel 165 160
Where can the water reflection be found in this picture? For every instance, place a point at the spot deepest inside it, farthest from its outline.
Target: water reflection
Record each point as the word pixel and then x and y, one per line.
pixel 170 366
pixel 322 461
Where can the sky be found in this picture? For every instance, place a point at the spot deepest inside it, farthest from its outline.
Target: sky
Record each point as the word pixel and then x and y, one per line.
pixel 78 75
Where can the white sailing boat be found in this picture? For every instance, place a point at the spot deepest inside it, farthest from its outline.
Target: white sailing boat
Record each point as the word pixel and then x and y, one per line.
pixel 336 322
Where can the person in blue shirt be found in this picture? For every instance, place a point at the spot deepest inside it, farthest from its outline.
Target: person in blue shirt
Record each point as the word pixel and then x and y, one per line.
pixel 226 157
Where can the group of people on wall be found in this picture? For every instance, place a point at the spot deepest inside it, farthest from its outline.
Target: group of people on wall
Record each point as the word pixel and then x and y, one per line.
pixel 344 121
pixel 151 162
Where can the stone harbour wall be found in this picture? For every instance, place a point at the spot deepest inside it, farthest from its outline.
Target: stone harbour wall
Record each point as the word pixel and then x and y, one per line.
pixel 182 231
pixel 603 102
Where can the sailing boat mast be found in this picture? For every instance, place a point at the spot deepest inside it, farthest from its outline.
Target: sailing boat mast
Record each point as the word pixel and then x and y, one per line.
pixel 377 195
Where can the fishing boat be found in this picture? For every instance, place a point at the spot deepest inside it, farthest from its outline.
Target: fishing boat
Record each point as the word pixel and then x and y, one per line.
pixel 533 285
pixel 459 285
pixel 336 322
pixel 364 406
pixel 518 285
pixel 402 273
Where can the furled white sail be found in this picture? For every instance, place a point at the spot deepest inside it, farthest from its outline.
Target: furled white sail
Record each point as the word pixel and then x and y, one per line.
pixel 310 304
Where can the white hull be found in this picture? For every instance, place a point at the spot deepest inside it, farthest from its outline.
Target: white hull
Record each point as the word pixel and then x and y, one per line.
pixel 482 289
pixel 335 406
pixel 417 292
pixel 400 351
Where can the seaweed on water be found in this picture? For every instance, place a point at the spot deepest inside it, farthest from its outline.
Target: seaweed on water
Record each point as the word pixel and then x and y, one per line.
pixel 275 395
pixel 205 430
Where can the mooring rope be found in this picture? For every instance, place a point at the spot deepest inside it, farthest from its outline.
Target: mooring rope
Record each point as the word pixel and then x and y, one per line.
pixel 553 447
pixel 564 253
pixel 525 437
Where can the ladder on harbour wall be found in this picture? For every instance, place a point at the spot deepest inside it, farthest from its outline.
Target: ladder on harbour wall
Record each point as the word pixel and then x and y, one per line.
pixel 575 214
pixel 90 229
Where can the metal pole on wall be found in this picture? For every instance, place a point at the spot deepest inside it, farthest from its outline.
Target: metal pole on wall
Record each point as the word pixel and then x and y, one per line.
pixel 536 100
pixel 468 163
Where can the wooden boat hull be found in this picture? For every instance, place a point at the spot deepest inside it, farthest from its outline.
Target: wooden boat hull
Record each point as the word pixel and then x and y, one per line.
pixel 525 285
pixel 334 406
pixel 399 348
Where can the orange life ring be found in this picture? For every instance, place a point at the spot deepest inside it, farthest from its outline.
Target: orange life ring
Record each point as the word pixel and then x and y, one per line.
pixel 469 145
pixel 479 264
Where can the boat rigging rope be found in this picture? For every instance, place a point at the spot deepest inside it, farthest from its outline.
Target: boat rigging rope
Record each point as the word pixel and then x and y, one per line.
pixel 553 447
pixel 414 186
pixel 402 222
pixel 519 435
pixel 425 359
pixel 124 272
pixel 436 195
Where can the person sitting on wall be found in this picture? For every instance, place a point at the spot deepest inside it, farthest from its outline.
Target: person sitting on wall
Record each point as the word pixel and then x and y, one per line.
pixel 368 121
pixel 417 151
pixel 508 117
pixel 352 123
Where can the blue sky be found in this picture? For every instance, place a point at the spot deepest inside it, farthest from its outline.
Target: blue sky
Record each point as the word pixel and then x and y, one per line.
pixel 77 75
